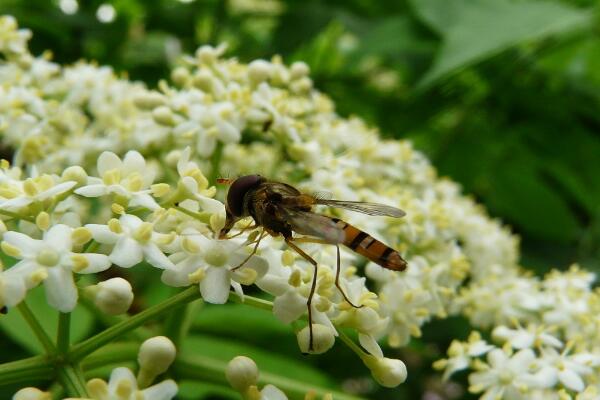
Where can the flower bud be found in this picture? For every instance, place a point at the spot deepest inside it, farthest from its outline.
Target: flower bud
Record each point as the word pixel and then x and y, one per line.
pixel 75 173
pixel 163 115
pixel 180 76
pixel 31 393
pixel 299 70
pixel 155 356
pixel 323 339
pixel 387 372
pixel 113 296
pixel 149 100
pixel 241 373
pixel 259 71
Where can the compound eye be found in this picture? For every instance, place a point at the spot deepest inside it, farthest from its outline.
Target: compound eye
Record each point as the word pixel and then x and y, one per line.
pixel 237 191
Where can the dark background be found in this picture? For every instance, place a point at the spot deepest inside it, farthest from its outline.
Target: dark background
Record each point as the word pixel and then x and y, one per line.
pixel 503 96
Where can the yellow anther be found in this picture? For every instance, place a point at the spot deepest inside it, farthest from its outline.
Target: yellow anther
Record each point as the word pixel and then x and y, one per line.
pixel 112 177
pixel 115 226
pixel 166 238
pixel 135 182
pixel 197 276
pixel 124 389
pixel 4 164
pixel 288 258
pixel 117 209
pixel 190 245
pixel 79 262
pixel 323 304
pixel 43 221
pixel 295 279
pixel 160 189
pixel 10 250
pixel 37 276
pixel 97 388
pixel 81 236
pixel 30 188
pixel 247 276
pixel 45 182
pixel 144 233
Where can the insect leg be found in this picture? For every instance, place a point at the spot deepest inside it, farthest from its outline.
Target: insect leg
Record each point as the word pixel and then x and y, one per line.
pixel 337 280
pixel 262 234
pixel 312 288
pixel 337 271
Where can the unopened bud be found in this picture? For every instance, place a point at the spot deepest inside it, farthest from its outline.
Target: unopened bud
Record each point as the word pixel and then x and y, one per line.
pixel 149 100
pixel 180 76
pixel 31 393
pixel 75 173
pixel 241 373
pixel 323 339
pixel 113 296
pixel 387 372
pixel 155 357
pixel 259 71
pixel 163 115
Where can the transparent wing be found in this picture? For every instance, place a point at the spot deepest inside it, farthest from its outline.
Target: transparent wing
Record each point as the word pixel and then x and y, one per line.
pixel 311 224
pixel 364 207
pixel 322 195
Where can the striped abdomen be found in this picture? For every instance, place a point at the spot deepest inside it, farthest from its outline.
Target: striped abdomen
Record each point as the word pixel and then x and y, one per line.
pixel 371 248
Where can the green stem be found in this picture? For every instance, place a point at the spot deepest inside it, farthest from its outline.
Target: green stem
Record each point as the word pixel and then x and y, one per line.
pixel 73 381
pixel 202 217
pixel 215 163
pixel 16 216
pixel 63 336
pixel 27 370
pixel 37 329
pixel 88 346
pixel 251 301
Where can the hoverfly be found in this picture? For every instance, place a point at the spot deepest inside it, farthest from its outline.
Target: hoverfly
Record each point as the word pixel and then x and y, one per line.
pixel 281 209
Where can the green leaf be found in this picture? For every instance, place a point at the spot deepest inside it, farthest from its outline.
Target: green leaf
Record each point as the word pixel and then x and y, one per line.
pixel 195 390
pixel 15 327
pixel 473 30
pixel 240 320
pixel 267 361
pixel 526 199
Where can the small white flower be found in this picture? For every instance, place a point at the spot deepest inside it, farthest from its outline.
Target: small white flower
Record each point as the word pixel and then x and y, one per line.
pixel 521 338
pixel 13 287
pixel 51 260
pixel 508 376
pixel 155 356
pixel 123 385
pixel 210 262
pixel 129 178
pixel 387 372
pixel 134 240
pixel 37 189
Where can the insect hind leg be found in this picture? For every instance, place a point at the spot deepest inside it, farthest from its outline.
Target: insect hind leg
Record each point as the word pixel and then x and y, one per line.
pixel 312 288
pixel 338 267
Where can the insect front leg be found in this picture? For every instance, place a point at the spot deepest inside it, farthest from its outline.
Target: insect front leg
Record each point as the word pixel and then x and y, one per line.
pixel 260 236
pixel 312 288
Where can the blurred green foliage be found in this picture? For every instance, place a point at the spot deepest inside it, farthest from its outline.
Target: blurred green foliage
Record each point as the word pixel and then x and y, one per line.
pixel 502 95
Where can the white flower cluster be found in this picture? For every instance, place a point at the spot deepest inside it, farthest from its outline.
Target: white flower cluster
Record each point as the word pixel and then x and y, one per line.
pixel 148 154
pixel 154 357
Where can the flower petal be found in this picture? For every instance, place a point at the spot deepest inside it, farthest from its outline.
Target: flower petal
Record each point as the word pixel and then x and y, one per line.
pixel 61 292
pixel 289 307
pixel 107 161
pixel 28 247
pixel 96 263
pixel 103 234
pixel 59 238
pixel 165 390
pixel 126 253
pixel 156 257
pixel 215 285
pixel 95 190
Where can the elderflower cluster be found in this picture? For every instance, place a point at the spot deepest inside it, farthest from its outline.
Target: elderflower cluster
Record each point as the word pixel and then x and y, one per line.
pixel 144 160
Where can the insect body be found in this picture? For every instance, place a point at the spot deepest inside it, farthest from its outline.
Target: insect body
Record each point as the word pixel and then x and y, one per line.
pixel 281 210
